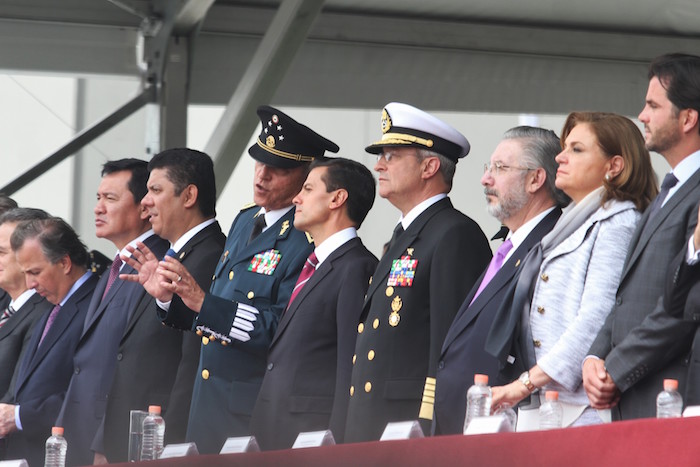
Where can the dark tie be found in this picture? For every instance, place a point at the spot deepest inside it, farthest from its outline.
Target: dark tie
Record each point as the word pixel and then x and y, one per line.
pixel 49 322
pixel 258 226
pixel 669 182
pixel 501 234
pixel 113 274
pixel 306 272
pixel 9 311
pixel 494 266
pixel 398 231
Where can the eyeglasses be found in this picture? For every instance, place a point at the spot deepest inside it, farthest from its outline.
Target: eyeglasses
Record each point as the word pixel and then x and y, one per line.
pixel 496 167
pixel 387 156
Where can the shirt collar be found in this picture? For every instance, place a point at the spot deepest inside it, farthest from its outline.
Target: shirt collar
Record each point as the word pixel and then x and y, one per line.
pixel 419 208
pixel 332 243
pixel 182 241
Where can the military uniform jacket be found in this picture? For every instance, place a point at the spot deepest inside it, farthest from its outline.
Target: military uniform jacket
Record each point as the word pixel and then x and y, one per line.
pixel 415 293
pixel 310 360
pixel 261 274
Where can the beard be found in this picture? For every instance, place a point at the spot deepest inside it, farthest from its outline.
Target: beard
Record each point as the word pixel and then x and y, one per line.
pixel 506 205
pixel 664 137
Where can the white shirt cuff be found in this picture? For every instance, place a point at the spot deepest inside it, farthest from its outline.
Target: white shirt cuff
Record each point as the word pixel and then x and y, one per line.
pixel 18 422
pixel 165 306
pixel 692 257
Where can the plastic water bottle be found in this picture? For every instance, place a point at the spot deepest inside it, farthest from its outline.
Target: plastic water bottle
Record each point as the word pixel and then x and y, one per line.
pixel 56 447
pixel 153 433
pixel 478 400
pixel 551 411
pixel 508 413
pixel 669 403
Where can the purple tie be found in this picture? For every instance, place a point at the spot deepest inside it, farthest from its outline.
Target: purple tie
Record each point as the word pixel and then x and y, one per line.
pixel 113 274
pixel 494 266
pixel 49 322
pixel 306 272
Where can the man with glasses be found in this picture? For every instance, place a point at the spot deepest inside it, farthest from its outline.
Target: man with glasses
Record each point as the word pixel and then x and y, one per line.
pixel 519 187
pixel 433 259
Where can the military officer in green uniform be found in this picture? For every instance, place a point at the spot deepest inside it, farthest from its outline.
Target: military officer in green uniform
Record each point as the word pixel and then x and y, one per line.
pixel 434 257
pixel 251 285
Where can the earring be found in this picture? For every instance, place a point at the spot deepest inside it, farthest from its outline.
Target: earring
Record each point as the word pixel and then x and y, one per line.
pixel 607 177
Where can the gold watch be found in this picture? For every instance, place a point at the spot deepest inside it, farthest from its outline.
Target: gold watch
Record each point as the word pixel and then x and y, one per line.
pixel 525 379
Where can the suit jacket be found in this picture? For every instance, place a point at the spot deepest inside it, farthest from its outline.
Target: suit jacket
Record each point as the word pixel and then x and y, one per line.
pixel 14 340
pixel 463 354
pixel 261 274
pixel 95 360
pixel 44 375
pixel 310 359
pixel 642 343
pixel 415 293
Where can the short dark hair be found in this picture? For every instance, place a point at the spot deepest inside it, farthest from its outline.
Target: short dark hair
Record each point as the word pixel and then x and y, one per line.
pixel 139 175
pixel 6 203
pixel 354 178
pixel 679 74
pixel 185 167
pixel 56 237
pixel 23 214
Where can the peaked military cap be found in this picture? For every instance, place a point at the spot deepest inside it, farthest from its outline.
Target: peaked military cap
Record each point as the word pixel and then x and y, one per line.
pixel 283 142
pixel 405 125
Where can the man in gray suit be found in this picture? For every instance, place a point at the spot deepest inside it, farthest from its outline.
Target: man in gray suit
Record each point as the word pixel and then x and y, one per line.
pixel 640 343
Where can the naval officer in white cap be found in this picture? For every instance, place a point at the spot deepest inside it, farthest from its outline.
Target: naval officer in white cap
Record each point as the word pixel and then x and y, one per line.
pixel 434 257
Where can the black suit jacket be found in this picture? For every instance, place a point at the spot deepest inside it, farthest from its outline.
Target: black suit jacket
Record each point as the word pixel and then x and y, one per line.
pixel 44 375
pixel 95 360
pixel 310 359
pixel 14 340
pixel 156 364
pixel 463 353
pixel 404 326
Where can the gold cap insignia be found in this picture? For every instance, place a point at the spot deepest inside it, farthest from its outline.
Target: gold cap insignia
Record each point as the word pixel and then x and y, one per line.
pixel 270 141
pixel 386 121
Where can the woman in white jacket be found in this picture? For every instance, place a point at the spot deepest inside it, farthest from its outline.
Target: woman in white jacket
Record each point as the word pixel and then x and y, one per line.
pixel 606 170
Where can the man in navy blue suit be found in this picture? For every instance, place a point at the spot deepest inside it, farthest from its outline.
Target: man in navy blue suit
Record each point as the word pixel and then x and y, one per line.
pixel 54 261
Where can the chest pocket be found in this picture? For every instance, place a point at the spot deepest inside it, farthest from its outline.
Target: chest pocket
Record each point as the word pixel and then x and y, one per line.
pixel 254 289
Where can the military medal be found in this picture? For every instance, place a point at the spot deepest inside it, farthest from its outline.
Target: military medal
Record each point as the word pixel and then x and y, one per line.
pixel 394 317
pixel 265 262
pixel 403 271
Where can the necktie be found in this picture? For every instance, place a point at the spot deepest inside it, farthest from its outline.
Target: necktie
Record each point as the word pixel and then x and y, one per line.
pixel 49 322
pixel 172 253
pixel 113 274
pixel 398 231
pixel 669 182
pixel 9 311
pixel 501 234
pixel 494 266
pixel 258 226
pixel 306 272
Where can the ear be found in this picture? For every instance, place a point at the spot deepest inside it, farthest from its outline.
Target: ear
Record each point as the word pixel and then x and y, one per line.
pixel 340 196
pixel 615 166
pixel 189 195
pixel 535 179
pixel 430 167
pixel 689 120
pixel 143 212
pixel 66 264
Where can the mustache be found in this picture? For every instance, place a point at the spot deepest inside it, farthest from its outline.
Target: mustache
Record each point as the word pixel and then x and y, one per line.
pixel 490 191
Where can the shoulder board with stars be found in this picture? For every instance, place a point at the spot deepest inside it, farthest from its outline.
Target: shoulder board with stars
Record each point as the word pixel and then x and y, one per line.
pixel 248 206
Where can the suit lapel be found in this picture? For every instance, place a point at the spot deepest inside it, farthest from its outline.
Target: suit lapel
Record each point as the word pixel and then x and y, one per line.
pixel 20 315
pixel 504 276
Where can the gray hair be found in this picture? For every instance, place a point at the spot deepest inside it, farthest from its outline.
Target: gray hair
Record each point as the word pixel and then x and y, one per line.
pixel 447 165
pixel 540 147
pixel 56 237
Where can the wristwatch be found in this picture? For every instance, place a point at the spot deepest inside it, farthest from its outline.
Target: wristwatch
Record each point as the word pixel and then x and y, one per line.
pixel 525 379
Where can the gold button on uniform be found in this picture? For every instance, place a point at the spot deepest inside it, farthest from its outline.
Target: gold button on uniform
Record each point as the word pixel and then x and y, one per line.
pixel 540 310
pixel 352 390
pixel 370 355
pixel 205 340
pixel 375 323
pixel 544 276
pixel 230 275
pixel 368 386
pixel 537 343
pixel 251 294
pixel 389 291
pixel 205 374
pixel 360 328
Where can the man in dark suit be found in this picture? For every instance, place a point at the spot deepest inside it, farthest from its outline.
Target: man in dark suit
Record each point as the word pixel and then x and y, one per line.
pixel 434 258
pixel 54 261
pixel 6 203
pixel 310 358
pixel 120 218
pixel 641 343
pixel 520 192
pixel 181 203
pixel 252 283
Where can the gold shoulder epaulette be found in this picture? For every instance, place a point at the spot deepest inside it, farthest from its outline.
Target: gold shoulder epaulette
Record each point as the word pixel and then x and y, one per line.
pixel 248 206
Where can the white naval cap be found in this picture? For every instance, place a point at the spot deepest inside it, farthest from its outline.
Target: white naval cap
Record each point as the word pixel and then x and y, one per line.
pixel 405 125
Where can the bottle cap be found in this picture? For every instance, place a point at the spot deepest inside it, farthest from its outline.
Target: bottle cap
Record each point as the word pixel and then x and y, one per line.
pixel 551 395
pixel 670 385
pixel 154 409
pixel 481 379
pixel 57 431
